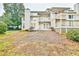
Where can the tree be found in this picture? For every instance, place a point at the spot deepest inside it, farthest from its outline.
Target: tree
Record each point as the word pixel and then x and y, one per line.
pixel 6 19
pixel 3 27
pixel 15 11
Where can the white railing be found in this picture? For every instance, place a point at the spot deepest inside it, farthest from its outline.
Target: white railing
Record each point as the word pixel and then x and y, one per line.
pixel 44 19
pixel 34 14
pixel 60 16
pixel 67 26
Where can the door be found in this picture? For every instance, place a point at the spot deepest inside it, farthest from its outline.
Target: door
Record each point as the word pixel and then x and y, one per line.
pixel 44 26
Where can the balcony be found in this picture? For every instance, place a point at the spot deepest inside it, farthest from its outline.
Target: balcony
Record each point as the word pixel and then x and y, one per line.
pixel 67 26
pixel 47 19
pixel 60 16
pixel 44 20
pixel 34 14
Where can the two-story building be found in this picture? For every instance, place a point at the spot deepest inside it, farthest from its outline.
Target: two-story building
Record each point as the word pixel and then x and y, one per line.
pixel 59 18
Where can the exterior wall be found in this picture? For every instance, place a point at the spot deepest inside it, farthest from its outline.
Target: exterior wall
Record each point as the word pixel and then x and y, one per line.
pixel 34 14
pixel 76 8
pixel 44 19
pixel 23 24
pixel 59 21
pixel 44 26
pixel 35 22
pixel 26 20
pixel 52 18
pixel 39 22
pixel 77 17
pixel 74 16
pixel 67 23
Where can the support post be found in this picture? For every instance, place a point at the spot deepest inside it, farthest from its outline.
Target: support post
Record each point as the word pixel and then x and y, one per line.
pixel 66 29
pixel 60 23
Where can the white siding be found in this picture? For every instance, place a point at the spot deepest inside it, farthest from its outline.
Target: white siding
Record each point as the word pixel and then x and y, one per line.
pixel 26 20
pixel 34 14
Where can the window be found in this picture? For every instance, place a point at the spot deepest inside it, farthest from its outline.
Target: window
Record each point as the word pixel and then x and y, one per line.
pixel 70 23
pixel 70 16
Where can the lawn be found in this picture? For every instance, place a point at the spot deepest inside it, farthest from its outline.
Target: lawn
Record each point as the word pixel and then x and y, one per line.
pixel 23 43
pixel 5 44
pixel 6 34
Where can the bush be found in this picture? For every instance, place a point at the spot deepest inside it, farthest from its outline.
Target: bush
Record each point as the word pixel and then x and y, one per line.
pixel 3 27
pixel 73 35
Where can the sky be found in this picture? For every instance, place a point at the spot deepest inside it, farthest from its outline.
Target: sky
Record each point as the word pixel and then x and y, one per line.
pixel 41 6
pixel 1 9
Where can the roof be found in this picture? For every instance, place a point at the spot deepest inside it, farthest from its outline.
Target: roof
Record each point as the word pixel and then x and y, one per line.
pixel 70 11
pixel 60 8
pixel 40 12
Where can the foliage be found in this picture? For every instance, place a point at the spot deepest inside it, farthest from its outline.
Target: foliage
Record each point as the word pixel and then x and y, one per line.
pixel 6 34
pixel 3 27
pixel 14 12
pixel 73 35
pixel 6 19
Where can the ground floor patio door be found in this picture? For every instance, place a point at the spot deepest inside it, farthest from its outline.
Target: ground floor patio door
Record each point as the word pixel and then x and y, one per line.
pixel 44 26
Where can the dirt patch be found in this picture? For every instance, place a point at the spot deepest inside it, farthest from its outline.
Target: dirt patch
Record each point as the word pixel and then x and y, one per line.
pixel 42 43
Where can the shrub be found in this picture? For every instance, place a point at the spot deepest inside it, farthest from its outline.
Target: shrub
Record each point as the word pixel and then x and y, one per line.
pixel 3 27
pixel 73 35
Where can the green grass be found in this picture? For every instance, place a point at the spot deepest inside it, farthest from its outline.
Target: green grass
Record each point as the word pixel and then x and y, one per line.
pixel 6 34
pixel 6 47
pixel 5 44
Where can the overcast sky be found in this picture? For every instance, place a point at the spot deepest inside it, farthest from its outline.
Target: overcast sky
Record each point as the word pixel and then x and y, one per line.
pixel 1 9
pixel 41 6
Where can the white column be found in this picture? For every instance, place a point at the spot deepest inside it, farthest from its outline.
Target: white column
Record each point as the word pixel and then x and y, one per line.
pixel 52 18
pixel 27 19
pixel 60 23
pixel 37 24
pixel 60 26
pixel 66 26
pixel 22 24
pixel 54 22
pixel 66 29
